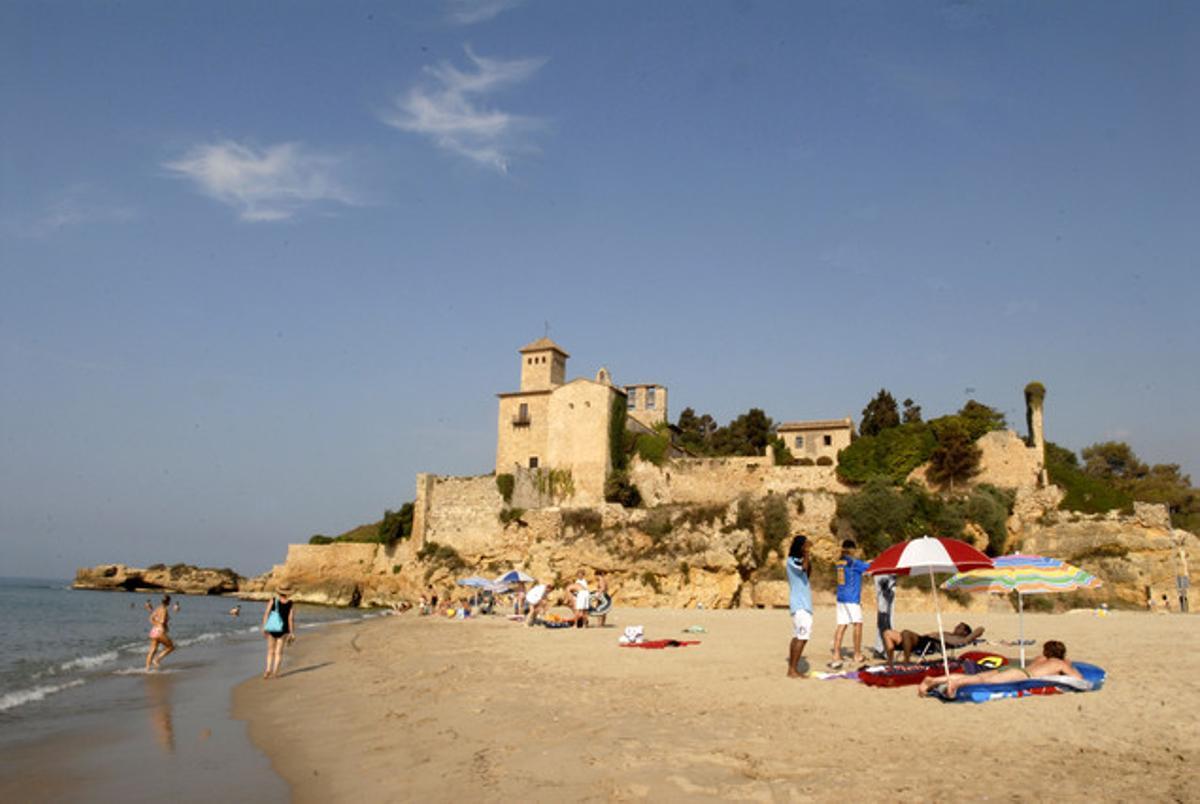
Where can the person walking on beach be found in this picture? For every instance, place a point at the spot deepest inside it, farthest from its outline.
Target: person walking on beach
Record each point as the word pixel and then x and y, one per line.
pixel 850 570
pixel 160 619
pixel 538 599
pixel 800 601
pixel 279 627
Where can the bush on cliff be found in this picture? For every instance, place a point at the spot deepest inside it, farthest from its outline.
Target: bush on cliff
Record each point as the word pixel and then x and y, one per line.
pixel 505 483
pixel 319 539
pixel 619 489
pixel 396 524
pixel 440 555
pixel 891 454
pixel 1086 493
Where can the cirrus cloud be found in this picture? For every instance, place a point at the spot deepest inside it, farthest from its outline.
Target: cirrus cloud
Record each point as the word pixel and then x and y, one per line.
pixel 264 184
pixel 447 110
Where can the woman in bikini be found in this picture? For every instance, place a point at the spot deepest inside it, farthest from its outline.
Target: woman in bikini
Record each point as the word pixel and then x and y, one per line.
pixel 160 619
pixel 1052 662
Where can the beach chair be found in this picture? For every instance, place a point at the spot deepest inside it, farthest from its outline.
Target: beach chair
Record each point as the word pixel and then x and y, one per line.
pixel 929 646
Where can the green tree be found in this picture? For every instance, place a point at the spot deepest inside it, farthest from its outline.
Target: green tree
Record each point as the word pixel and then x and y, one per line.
pixel 748 434
pixel 1113 460
pixel 981 419
pixel 396 524
pixel 912 412
pixel 893 454
pixel 879 414
pixel 956 457
pixel 695 432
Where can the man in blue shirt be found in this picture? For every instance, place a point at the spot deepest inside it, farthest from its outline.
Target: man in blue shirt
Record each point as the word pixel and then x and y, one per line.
pixel 849 609
pixel 799 600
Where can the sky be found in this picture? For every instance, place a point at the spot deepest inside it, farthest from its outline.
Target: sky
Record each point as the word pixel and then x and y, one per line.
pixel 261 263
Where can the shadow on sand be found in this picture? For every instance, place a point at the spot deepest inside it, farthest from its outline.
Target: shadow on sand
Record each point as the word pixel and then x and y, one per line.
pixel 307 669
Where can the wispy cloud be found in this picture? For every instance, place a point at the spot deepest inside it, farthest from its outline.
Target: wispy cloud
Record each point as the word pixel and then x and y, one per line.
pixel 263 184
pixel 446 108
pixel 76 205
pixel 469 12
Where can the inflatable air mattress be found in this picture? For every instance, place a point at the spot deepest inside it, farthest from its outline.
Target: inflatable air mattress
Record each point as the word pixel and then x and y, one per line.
pixel 905 675
pixel 1093 679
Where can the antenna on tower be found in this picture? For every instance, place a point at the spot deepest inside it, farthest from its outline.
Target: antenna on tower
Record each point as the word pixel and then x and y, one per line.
pixel 546 332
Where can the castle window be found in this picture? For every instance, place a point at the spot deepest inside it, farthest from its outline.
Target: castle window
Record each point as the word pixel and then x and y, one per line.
pixel 533 462
pixel 649 399
pixel 632 397
pixel 829 441
pixel 522 417
pixel 799 442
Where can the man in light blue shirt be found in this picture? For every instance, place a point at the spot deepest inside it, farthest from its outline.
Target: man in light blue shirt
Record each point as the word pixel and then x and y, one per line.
pixel 800 601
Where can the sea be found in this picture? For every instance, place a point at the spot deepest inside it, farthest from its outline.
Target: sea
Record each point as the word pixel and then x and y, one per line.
pixel 81 719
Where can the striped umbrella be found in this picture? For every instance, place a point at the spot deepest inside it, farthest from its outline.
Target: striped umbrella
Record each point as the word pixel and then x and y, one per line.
pixel 926 556
pixel 1025 575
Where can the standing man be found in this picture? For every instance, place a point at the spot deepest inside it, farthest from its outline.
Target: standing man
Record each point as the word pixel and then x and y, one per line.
pixel 799 600
pixel 850 570
pixel 885 597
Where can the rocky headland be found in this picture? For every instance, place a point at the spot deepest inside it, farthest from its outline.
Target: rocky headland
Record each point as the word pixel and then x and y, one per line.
pixel 178 579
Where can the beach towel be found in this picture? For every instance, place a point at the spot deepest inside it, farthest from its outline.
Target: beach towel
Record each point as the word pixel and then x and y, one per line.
pixel 659 644
pixel 1093 679
pixel 904 675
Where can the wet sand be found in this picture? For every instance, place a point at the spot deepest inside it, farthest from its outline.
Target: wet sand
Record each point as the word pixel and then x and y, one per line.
pixel 423 709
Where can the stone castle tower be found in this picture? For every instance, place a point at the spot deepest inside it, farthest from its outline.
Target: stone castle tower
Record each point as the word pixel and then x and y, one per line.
pixel 1035 396
pixel 543 365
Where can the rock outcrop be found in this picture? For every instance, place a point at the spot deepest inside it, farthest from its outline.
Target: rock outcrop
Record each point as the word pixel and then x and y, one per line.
pixel 180 579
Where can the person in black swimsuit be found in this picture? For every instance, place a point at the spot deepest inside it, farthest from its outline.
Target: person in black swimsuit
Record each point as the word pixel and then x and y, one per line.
pixel 278 633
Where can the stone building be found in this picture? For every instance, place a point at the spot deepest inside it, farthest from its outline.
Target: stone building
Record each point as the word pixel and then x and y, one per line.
pixel 822 438
pixel 553 424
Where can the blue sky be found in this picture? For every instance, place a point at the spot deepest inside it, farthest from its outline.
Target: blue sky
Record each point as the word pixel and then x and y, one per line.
pixel 263 262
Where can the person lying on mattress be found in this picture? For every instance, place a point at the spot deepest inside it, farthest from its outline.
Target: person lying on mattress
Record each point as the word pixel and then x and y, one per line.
pixel 911 642
pixel 1052 662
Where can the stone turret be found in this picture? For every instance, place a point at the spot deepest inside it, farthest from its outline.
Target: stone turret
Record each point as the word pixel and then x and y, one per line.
pixel 1035 395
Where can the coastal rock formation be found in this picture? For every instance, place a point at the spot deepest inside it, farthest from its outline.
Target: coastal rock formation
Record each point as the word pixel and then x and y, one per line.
pixel 179 578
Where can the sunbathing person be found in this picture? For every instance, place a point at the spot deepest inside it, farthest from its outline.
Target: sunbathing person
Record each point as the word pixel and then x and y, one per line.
pixel 912 642
pixel 1052 662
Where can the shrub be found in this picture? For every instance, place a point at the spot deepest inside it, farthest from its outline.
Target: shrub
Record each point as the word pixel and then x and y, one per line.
pixel 990 507
pixel 658 524
pixel 653 448
pixel 616 434
pixel 505 484
pixel 619 489
pixel 697 515
pixel 396 524
pixel 587 520
pixel 440 555
pixel 685 571
pixel 775 525
pixel 960 596
pixel 317 539
pixel 824 460
pixel 395 569
pixel 509 515
pixel 805 462
pixel 877 514
pixel 780 452
pixel 1088 494
pixel 893 453
pixel 1105 550
pixel 651 580
pixel 745 514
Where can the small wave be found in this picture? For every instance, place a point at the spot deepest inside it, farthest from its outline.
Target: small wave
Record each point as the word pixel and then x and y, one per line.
pixel 89 662
pixel 208 636
pixel 13 699
pixel 141 671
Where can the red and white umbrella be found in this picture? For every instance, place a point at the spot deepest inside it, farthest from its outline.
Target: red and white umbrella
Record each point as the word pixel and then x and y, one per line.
pixel 928 556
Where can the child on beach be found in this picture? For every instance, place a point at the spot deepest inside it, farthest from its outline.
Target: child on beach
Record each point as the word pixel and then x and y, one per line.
pixel 799 601
pixel 160 619
pixel 850 570
pixel 602 594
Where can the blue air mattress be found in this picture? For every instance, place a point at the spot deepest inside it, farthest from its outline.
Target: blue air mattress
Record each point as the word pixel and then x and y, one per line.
pixel 1093 679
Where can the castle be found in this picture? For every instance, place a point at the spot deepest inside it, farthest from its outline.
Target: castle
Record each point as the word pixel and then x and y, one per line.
pixel 551 423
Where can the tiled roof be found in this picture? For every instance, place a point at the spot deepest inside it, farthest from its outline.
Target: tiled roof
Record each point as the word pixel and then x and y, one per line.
pixel 543 344
pixel 818 424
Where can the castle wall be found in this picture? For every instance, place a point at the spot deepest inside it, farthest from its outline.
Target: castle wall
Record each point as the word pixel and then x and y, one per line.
pixel 463 512
pixel 578 436
pixel 517 443
pixel 722 480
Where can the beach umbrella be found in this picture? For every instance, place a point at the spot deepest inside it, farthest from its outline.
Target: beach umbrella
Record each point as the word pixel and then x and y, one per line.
pixel 927 556
pixel 514 576
pixel 1025 575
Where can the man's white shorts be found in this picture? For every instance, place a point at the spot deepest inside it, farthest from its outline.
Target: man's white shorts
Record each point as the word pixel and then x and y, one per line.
pixel 848 613
pixel 802 624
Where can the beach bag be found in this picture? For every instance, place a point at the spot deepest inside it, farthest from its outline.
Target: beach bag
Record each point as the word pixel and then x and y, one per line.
pixel 633 635
pixel 274 621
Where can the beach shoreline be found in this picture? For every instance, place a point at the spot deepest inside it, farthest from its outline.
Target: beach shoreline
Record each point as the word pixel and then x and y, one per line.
pixel 411 708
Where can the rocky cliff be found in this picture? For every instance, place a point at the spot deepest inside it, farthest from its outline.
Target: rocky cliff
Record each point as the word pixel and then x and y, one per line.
pixel 180 579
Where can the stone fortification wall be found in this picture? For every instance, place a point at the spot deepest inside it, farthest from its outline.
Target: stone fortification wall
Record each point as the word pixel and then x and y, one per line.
pixel 708 481
pixel 1005 461
pixel 462 512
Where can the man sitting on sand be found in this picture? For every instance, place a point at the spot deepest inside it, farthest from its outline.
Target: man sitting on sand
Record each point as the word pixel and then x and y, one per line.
pixel 1052 662
pixel 910 641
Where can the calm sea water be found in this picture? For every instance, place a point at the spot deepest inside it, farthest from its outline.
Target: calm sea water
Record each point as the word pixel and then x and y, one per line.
pixel 56 638
pixel 80 720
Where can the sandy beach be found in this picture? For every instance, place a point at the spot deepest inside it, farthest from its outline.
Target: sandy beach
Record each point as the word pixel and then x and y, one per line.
pixel 424 709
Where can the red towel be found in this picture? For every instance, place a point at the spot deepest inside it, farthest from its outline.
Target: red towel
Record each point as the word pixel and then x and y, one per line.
pixel 658 644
